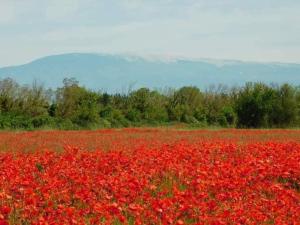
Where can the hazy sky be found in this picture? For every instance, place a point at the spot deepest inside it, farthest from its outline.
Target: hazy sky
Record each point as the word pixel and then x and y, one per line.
pixel 256 30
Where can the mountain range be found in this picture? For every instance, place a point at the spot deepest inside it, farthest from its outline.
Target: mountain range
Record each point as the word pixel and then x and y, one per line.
pixel 117 73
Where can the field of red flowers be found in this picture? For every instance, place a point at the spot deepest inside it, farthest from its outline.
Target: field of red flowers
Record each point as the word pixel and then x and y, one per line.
pixel 150 176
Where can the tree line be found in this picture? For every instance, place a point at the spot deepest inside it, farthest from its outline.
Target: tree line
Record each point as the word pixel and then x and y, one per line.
pixel 72 106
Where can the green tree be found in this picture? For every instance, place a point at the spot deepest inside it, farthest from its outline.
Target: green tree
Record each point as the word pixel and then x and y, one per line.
pixel 185 104
pixel 147 105
pixel 254 105
pixel 284 113
pixel 8 95
pixel 77 104
pixel 35 100
pixel 218 104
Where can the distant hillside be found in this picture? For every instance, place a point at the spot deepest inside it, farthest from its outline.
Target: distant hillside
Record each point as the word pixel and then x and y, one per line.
pixel 117 73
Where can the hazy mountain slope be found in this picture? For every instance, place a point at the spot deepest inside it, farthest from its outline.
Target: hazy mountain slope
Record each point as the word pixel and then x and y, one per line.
pixel 117 73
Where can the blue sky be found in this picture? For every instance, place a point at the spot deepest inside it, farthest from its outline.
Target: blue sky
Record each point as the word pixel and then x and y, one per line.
pixel 250 30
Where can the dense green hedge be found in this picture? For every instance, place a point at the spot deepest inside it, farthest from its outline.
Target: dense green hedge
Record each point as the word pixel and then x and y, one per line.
pixel 72 106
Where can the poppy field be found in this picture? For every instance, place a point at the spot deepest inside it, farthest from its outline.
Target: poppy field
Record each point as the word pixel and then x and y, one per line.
pixel 150 176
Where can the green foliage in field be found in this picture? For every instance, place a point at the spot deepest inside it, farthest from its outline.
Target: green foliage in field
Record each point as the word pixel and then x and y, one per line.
pixel 259 105
pixel 72 106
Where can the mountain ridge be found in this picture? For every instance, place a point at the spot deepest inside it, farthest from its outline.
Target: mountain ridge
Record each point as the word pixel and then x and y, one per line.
pixel 158 58
pixel 114 72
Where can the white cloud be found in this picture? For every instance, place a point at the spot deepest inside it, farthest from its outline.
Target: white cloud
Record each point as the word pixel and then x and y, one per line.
pixel 132 4
pixel 7 14
pixel 252 30
pixel 61 9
